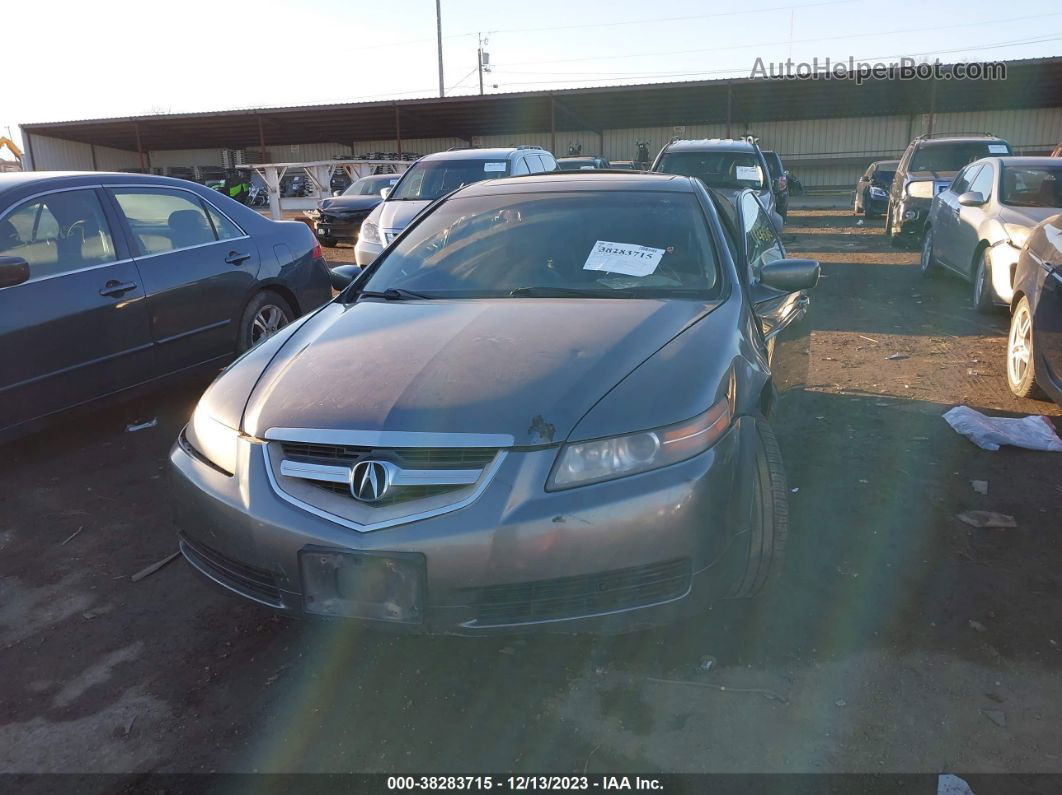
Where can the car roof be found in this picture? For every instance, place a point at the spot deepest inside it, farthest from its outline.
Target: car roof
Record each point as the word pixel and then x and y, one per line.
pixel 1027 161
pixel 495 153
pixel 46 180
pixel 711 145
pixel 597 180
pixel 959 139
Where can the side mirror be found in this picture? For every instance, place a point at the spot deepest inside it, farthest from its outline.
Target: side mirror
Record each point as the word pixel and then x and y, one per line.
pixel 971 199
pixel 384 192
pixel 790 275
pixel 13 270
pixel 342 275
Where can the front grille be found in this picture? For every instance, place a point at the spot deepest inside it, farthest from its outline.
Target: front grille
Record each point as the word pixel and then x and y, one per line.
pixel 252 582
pixel 408 457
pixel 397 495
pixel 572 597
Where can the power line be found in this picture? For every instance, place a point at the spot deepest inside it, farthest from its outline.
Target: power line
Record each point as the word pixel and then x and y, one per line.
pixel 745 70
pixel 625 56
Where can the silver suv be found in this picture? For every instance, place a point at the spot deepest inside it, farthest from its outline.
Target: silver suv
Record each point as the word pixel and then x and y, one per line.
pixel 728 165
pixel 436 175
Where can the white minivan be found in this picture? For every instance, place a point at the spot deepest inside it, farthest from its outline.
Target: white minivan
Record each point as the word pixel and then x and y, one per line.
pixel 436 175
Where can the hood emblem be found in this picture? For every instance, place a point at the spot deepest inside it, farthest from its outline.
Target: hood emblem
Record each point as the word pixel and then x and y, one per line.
pixel 370 481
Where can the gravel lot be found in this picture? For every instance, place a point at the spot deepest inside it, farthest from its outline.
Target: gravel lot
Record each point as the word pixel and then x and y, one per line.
pixel 898 639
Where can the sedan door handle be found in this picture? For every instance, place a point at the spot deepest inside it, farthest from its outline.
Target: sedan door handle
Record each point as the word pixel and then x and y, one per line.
pixel 235 257
pixel 116 288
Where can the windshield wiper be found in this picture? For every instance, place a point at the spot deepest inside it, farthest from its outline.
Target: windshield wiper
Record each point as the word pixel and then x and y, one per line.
pixel 392 294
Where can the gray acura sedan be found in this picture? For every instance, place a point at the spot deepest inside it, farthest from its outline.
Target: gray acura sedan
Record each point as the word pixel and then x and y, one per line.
pixel 546 405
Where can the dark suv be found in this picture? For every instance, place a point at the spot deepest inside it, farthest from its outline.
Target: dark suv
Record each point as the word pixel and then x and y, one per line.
pixel 927 167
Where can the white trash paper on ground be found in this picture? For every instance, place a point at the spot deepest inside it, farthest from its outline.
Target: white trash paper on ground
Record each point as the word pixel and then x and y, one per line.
pixel 1034 432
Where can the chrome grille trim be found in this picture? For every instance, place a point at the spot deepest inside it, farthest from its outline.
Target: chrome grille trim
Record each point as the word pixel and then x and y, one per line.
pixel 402 477
pixel 485 479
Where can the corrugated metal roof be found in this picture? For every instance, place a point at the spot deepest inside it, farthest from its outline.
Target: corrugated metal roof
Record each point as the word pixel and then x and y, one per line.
pixel 1029 84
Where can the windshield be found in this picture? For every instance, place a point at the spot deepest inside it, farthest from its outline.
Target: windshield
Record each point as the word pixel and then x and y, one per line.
pixel 427 181
pixel 953 156
pixel 883 176
pixel 368 186
pixel 1032 186
pixel 594 244
pixel 717 169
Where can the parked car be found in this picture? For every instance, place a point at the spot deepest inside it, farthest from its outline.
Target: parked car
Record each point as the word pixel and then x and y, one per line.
pixel 112 281
pixel 552 412
pixel 927 167
pixel 726 165
pixel 436 175
pixel 978 225
pixel 581 163
pixel 779 181
pixel 872 189
pixel 338 219
pixel 1034 349
pixel 626 165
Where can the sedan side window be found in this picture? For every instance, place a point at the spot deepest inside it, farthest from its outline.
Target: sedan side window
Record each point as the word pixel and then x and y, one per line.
pixel 165 220
pixel 761 241
pixel 226 229
pixel 520 167
pixel 983 182
pixel 58 233
pixel 961 183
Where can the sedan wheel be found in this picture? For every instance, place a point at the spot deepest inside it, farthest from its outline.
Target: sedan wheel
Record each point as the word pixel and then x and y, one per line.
pixel 267 314
pixel 769 524
pixel 928 263
pixel 984 297
pixel 1021 374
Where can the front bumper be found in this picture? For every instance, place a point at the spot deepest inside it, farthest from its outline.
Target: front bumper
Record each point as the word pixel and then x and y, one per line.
pixel 365 252
pixel 338 228
pixel 629 554
pixel 1003 258
pixel 910 216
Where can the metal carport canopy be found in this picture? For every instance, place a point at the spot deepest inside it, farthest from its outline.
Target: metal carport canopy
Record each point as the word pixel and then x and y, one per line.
pixel 1029 84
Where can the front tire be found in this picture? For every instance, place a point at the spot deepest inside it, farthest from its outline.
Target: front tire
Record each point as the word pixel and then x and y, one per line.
pixel 1021 372
pixel 769 526
pixel 984 296
pixel 264 316
pixel 927 264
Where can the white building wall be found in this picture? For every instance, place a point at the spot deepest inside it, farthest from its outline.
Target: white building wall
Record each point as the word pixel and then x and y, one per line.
pixel 56 154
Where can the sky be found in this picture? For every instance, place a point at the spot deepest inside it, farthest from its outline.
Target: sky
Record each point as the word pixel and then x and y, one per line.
pixel 77 60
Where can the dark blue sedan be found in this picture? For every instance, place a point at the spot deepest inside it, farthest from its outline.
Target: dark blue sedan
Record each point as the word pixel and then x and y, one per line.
pixel 113 281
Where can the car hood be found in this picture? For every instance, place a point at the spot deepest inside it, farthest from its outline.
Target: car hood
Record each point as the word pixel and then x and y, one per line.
pixel 1026 216
pixel 347 204
pixel 525 368
pixel 396 215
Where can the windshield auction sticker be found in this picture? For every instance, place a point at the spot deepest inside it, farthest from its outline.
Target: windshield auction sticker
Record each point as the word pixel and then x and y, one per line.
pixel 494 166
pixel 747 172
pixel 625 258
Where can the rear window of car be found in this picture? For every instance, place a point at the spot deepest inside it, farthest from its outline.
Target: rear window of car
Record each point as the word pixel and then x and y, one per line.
pixel 951 156
pixel 1032 186
pixel 428 180
pixel 595 244
pixel 717 169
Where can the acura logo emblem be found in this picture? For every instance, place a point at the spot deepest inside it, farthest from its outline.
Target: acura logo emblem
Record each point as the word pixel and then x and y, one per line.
pixel 370 480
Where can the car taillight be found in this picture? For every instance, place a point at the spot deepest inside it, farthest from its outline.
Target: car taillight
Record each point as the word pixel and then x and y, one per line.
pixel 317 253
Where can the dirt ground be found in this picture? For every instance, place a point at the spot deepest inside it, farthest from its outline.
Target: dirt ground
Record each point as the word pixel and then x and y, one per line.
pixel 897 640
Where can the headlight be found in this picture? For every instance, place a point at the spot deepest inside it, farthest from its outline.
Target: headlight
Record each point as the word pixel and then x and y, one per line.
pixel 370 232
pixel 920 190
pixel 213 440
pixel 605 459
pixel 878 193
pixel 1017 233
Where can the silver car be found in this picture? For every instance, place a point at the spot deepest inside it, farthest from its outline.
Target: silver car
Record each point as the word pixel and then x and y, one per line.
pixel 977 227
pixel 546 406
pixel 436 175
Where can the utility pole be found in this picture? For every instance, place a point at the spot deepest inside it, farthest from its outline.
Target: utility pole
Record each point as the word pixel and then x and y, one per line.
pixel 438 30
pixel 482 60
